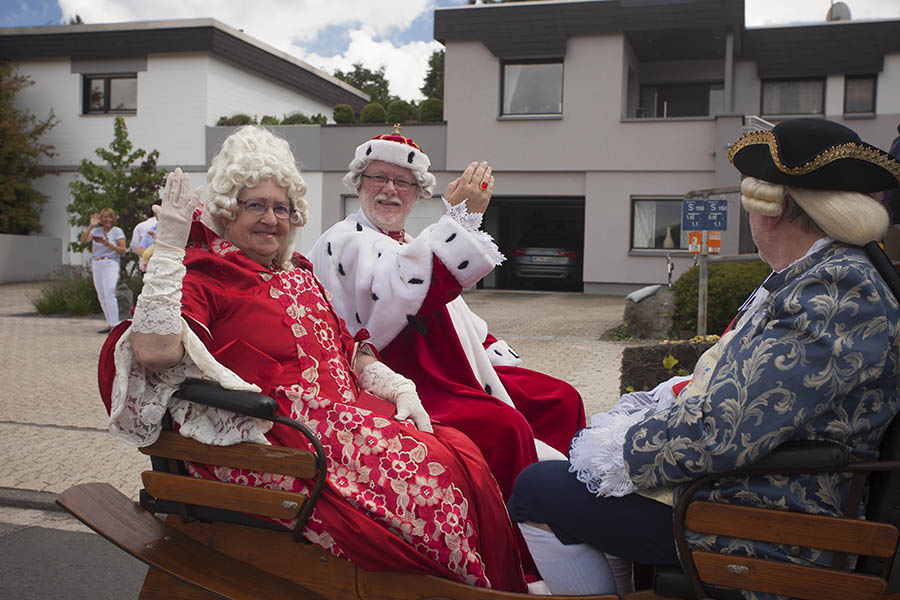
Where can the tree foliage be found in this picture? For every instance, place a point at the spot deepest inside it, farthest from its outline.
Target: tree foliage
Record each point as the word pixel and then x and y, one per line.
pixel 374 83
pixel 123 184
pixel 343 113
pixel 20 154
pixel 431 110
pixel 434 77
pixel 373 113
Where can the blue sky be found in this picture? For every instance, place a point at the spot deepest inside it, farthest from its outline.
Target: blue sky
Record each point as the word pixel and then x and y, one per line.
pixel 334 34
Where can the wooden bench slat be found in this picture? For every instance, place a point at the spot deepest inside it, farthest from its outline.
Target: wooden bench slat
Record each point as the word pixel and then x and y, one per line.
pixel 136 531
pixel 796 581
pixel 813 531
pixel 218 494
pixel 255 457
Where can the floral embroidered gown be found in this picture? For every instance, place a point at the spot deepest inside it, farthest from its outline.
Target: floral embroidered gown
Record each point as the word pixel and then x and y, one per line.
pixel 396 499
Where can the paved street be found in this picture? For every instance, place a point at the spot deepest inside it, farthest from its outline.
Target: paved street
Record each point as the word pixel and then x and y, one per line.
pixel 53 425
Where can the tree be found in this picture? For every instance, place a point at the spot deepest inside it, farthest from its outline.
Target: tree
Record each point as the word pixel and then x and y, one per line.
pixel 126 187
pixel 372 113
pixel 373 83
pixel 20 154
pixel 434 77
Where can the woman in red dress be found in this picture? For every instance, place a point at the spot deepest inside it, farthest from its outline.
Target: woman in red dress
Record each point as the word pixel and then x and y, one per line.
pixel 226 298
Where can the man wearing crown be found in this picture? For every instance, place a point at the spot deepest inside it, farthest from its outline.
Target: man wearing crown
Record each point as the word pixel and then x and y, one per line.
pixel 404 292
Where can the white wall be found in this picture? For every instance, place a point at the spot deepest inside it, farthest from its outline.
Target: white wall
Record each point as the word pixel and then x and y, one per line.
pixel 232 90
pixel 888 86
pixel 589 136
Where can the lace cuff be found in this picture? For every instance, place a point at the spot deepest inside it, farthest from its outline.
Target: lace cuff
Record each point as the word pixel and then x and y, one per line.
pixel 471 222
pixel 597 456
pixel 158 308
pixel 378 379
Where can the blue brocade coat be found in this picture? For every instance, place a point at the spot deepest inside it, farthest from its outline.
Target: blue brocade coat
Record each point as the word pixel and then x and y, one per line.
pixel 820 364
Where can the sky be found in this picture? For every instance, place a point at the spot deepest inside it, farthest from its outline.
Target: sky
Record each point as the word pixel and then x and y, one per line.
pixel 335 34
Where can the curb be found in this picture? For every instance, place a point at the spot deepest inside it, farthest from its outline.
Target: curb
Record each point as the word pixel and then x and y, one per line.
pixel 16 498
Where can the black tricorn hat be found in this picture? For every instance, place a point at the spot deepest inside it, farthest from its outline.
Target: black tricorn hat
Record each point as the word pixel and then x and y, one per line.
pixel 816 154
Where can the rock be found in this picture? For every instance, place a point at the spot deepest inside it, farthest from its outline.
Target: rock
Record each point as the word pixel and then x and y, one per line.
pixel 650 316
pixel 125 299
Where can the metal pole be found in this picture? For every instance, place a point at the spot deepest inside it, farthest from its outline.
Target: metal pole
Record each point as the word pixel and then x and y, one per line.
pixel 702 285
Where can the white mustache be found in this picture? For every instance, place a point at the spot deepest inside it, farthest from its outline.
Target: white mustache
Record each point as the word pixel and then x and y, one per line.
pixel 389 199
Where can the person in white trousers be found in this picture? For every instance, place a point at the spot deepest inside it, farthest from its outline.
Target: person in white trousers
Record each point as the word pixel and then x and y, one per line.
pixel 106 250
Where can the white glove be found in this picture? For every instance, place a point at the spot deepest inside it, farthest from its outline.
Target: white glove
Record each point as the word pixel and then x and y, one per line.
pixel 178 204
pixel 377 378
pixel 158 308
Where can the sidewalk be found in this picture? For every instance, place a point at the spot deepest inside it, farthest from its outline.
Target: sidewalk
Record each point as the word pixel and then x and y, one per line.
pixel 53 426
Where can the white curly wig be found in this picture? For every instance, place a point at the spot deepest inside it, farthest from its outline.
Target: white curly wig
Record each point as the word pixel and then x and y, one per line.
pixel 250 155
pixel 850 217
pixel 357 167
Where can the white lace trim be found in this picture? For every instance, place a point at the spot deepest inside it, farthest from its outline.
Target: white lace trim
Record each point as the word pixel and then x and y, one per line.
pixel 471 222
pixel 140 398
pixel 158 308
pixel 596 455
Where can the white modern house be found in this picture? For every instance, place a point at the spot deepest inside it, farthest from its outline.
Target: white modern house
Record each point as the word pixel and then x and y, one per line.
pixel 171 80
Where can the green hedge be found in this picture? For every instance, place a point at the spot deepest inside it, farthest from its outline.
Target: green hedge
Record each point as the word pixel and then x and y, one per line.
pixel 431 111
pixel 400 111
pixel 373 113
pixel 730 283
pixel 343 113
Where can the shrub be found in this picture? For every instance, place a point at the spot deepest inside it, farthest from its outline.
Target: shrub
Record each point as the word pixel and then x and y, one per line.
pixel 729 284
pixel 74 296
pixel 373 113
pixel 431 110
pixel 269 120
pixel 400 111
pixel 318 119
pixel 295 118
pixel 236 120
pixel 343 113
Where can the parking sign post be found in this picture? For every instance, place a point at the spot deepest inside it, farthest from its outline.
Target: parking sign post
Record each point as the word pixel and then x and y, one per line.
pixel 704 220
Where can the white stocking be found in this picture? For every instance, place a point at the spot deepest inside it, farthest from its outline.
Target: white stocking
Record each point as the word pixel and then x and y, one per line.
pixel 573 570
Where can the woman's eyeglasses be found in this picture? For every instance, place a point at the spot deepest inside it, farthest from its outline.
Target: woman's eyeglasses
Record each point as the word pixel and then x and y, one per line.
pixel 401 185
pixel 260 208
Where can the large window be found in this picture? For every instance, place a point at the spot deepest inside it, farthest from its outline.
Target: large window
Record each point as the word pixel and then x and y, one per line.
pixel 680 100
pixel 532 88
pixel 859 94
pixel 793 97
pixel 656 224
pixel 110 93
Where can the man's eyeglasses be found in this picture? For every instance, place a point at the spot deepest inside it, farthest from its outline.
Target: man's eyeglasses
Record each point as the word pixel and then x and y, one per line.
pixel 401 185
pixel 260 208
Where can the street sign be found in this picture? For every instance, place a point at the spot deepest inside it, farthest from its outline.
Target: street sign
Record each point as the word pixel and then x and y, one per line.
pixel 704 215
pixel 714 242
pixel 716 214
pixel 693 215
pixel 695 241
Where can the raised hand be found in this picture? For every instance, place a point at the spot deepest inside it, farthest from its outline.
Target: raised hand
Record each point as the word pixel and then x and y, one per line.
pixel 178 204
pixel 476 185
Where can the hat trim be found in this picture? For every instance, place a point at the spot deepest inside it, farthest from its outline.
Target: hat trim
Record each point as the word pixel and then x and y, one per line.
pixel 846 150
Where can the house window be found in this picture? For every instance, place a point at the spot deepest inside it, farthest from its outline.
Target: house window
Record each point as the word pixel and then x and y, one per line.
pixel 859 94
pixel 110 93
pixel 680 100
pixel 532 88
pixel 793 97
pixel 656 224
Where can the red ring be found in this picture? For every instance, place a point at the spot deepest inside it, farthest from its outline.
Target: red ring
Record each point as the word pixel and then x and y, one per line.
pixel 484 185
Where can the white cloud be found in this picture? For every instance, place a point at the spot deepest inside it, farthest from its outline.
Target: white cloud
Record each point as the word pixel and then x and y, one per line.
pixel 293 25
pixel 781 12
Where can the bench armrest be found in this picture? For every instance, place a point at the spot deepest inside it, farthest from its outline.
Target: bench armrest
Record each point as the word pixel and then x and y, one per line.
pixel 251 404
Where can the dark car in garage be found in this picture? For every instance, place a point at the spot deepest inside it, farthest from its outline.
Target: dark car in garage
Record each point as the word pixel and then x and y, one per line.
pixel 547 257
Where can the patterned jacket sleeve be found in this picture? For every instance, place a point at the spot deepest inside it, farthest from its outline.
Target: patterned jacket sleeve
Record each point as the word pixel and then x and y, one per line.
pixel 824 336
pixel 378 284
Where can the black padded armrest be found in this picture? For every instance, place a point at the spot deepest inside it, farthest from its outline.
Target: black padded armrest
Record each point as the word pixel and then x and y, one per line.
pixel 251 404
pixel 802 454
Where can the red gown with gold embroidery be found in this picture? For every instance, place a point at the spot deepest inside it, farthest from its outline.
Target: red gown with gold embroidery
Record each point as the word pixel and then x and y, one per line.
pixel 396 499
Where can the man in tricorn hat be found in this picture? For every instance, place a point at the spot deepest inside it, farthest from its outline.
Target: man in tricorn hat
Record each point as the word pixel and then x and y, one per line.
pixel 813 357
pixel 404 292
